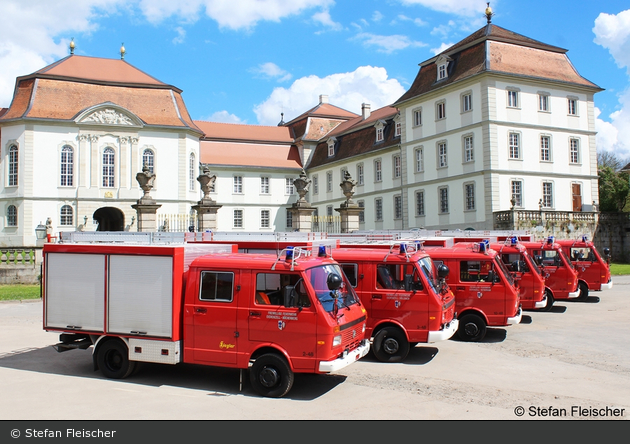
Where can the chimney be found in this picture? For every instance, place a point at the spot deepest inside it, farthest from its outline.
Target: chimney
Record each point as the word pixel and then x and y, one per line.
pixel 365 110
pixel 323 98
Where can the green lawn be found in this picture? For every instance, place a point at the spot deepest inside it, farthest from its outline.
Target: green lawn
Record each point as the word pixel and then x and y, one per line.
pixel 18 292
pixel 618 269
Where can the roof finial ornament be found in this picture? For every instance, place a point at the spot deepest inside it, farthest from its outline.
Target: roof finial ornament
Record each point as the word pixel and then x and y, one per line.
pixel 72 46
pixel 281 119
pixel 489 13
pixel 122 51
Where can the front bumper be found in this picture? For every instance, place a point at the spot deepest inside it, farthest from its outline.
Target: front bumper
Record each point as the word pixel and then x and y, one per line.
pixel 347 359
pixel 516 319
pixel 574 294
pixel 541 304
pixel 446 333
pixel 607 286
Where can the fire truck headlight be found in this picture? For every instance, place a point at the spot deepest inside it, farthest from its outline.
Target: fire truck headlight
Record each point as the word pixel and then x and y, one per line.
pixel 336 341
pixel 363 329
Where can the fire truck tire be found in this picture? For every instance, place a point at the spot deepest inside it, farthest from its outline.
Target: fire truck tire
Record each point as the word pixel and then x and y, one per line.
pixel 583 291
pixel 550 301
pixel 113 359
pixel 472 328
pixel 271 376
pixel 390 345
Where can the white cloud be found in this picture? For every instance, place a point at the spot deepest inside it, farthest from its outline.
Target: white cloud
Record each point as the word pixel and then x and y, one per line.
pixel 224 117
pixel 613 33
pixel 181 35
pixel 323 18
pixel 367 84
pixel 377 16
pixel 441 48
pixel 270 70
pixel 241 14
pixel 25 49
pixel 416 21
pixel 467 8
pixel 387 43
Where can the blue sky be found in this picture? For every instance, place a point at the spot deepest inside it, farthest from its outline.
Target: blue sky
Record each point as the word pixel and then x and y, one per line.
pixel 246 61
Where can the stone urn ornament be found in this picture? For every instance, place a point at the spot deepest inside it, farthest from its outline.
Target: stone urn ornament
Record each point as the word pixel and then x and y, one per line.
pixel 347 187
pixel 207 183
pixel 301 185
pixel 146 179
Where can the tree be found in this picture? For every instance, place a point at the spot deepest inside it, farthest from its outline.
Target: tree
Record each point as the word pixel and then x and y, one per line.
pixel 613 189
pixel 609 159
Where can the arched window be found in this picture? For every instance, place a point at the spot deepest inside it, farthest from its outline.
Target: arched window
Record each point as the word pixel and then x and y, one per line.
pixel 12 216
pixel 108 167
pixel 66 215
pixel 147 159
pixel 192 168
pixel 67 166
pixel 13 166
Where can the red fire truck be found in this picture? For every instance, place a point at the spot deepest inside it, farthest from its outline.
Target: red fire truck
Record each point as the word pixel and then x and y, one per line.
pixel 168 302
pixel 406 298
pixel 485 294
pixel 526 273
pixel 593 270
pixel 561 278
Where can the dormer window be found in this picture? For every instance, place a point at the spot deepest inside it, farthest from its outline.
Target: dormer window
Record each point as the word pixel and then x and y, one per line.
pixel 397 126
pixel 331 146
pixel 442 67
pixel 380 131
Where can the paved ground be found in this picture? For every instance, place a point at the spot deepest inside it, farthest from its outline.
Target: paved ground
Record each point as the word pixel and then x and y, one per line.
pixel 575 357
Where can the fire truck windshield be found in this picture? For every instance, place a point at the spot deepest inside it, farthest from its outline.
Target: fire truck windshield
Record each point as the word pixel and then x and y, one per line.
pixel 499 264
pixel 531 263
pixel 331 299
pixel 566 259
pixel 428 270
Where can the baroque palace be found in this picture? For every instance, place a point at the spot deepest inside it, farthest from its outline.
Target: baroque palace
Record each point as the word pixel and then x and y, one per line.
pixel 495 124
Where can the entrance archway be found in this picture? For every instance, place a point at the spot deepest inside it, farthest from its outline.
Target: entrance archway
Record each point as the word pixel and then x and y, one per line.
pixel 109 219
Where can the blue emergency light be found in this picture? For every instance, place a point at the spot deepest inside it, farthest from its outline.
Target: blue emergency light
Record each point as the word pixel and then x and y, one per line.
pixel 403 248
pixel 289 256
pixel 550 240
pixel 514 240
pixel 585 238
pixel 321 251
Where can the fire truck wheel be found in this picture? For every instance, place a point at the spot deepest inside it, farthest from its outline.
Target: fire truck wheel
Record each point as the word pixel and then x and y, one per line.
pixel 271 376
pixel 390 345
pixel 472 328
pixel 550 301
pixel 113 359
pixel 583 291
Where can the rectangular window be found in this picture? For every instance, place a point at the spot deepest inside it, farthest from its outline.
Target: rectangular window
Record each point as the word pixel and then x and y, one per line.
pixel 545 148
pixel 378 209
pixel 288 186
pixel 419 203
pixel 238 219
pixel 289 220
pixel 466 102
pixel 543 102
pixel 378 173
pixel 442 155
pixel 515 151
pixel 572 105
pixel 362 213
pixel 574 147
pixel 440 110
pixel 517 193
pixel 468 149
pixel 238 184
pixel 397 167
pixel 547 200
pixel 67 166
pixel 109 174
pixel 329 210
pixel 13 166
pixel 360 174
pixel 331 149
pixel 264 185
pixel 264 218
pixel 315 184
pixel 512 99
pixel 417 117
pixel 442 72
pixel 419 159
pixel 398 129
pixel 443 194
pixel 398 207
pixel 379 134
pixel 216 286
pixel 329 181
pixel 469 191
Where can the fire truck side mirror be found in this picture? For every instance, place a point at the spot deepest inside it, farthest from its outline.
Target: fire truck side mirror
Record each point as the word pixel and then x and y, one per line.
pixel 289 296
pixel 491 276
pixel 333 281
pixel 443 271
pixel 516 266
pixel 408 282
pixel 538 260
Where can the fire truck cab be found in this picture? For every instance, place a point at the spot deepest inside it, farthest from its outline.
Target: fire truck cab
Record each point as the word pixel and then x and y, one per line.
pixel 196 303
pixel 485 294
pixel 593 270
pixel 405 296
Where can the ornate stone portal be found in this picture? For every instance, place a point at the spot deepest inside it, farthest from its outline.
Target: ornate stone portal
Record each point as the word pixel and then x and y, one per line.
pixel 146 207
pixel 302 212
pixel 207 207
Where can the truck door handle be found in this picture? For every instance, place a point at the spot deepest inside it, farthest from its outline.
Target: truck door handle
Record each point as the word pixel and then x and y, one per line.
pixel 201 310
pixel 377 296
pixel 460 288
pixel 254 314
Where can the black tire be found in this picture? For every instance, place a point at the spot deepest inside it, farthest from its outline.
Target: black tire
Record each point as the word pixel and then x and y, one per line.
pixel 472 328
pixel 390 345
pixel 550 300
pixel 113 359
pixel 583 291
pixel 271 376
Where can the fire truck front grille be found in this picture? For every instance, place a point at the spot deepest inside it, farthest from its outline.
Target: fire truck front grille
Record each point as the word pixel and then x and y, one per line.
pixel 351 338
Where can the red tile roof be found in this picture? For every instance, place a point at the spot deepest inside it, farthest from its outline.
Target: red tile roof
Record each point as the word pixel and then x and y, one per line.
pixel 240 132
pixel 249 154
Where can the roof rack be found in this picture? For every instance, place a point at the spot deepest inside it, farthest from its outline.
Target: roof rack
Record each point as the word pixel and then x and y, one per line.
pixel 408 248
pixel 292 254
pixel 126 237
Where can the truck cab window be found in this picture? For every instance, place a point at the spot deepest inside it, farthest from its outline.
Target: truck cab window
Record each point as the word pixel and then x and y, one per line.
pixel 350 271
pixel 270 289
pixel 216 286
